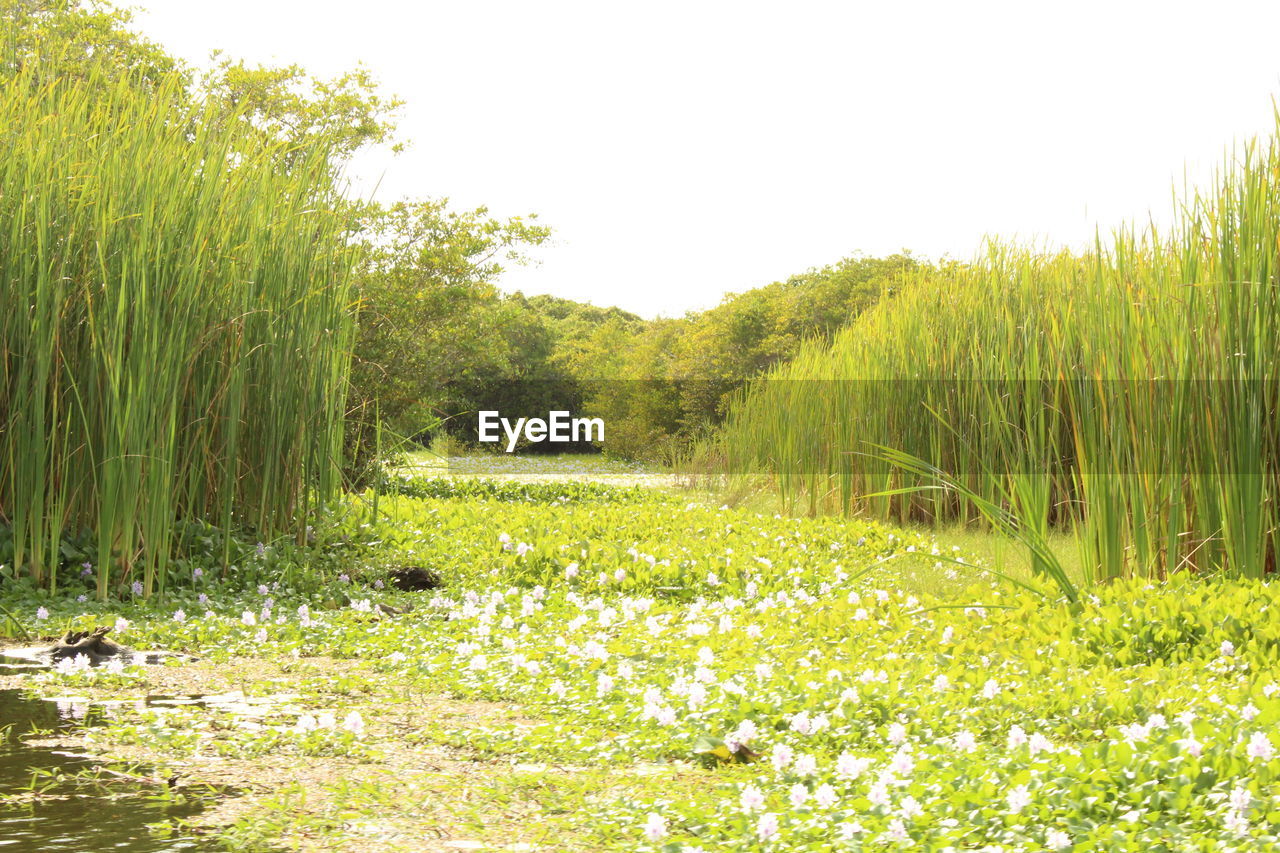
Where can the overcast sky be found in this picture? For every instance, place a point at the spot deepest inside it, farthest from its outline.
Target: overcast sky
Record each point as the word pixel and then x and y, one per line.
pixel 689 149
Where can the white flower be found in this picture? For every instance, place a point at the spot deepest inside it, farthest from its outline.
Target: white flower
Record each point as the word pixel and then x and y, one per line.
pixel 825 796
pixel 910 807
pixel 248 618
pixel 1039 743
pixel 1017 737
pixel 965 741
pixel 941 683
pixel 1191 745
pixel 1056 839
pixel 1018 798
pixel 478 663
pixel 655 827
pixel 799 793
pixel 1240 798
pixel 354 723
pixel 991 689
pixel 805 765
pixel 1135 733
pixel 179 616
pixel 1236 822
pixel 897 733
pixel 781 756
pixel 1227 649
pixel 850 766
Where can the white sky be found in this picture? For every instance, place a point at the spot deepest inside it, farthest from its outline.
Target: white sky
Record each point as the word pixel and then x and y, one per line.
pixel 683 150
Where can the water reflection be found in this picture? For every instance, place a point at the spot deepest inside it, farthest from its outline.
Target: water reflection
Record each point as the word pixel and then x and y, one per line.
pixel 66 818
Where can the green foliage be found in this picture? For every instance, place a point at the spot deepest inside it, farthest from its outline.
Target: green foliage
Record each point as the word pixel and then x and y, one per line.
pixel 798 660
pixel 667 382
pixel 432 326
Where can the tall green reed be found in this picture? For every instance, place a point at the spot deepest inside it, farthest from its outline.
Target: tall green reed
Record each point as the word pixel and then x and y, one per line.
pixel 1129 392
pixel 174 322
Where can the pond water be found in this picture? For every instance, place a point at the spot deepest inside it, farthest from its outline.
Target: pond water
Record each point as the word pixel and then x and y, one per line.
pixel 71 818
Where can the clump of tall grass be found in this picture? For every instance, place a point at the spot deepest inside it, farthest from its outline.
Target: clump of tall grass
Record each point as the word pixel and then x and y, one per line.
pixel 1129 392
pixel 174 324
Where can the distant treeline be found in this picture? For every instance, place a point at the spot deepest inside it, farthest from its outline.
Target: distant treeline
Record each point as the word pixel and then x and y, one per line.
pixel 657 383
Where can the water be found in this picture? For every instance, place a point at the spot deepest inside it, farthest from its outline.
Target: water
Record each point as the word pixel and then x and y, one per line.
pixel 73 818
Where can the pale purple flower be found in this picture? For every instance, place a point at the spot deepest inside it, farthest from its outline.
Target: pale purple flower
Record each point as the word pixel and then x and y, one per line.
pixel 42 613
pixel 752 800
pixel 1260 747
pixel 179 616
pixel 655 827
pixel 801 723
pixel 767 826
pixel 850 766
pixel 897 832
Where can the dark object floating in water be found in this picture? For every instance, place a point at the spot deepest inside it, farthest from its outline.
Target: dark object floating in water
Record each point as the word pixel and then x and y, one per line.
pixel 415 579
pixel 93 645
